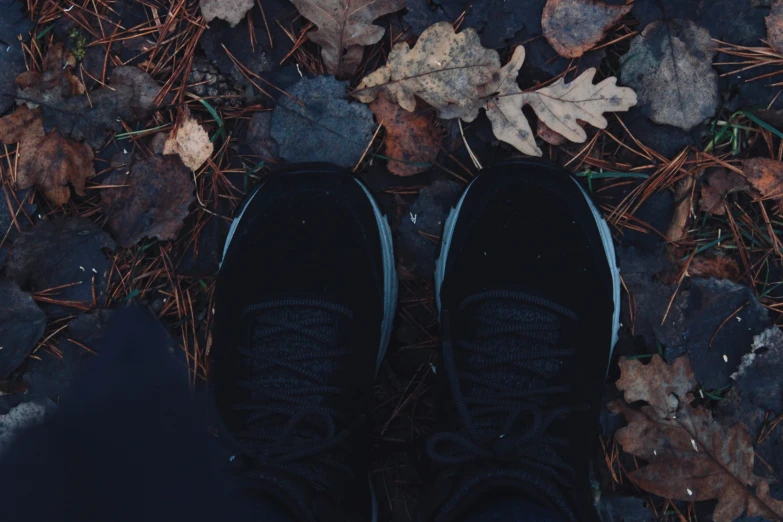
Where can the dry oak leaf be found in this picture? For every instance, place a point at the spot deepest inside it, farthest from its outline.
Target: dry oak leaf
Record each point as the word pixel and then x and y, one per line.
pixel 149 200
pixel 47 160
pixel 573 27
pixel 191 142
pixel 345 27
pixel 232 11
pixel 444 69
pixel 775 26
pixel 561 106
pixel 689 455
pixel 412 139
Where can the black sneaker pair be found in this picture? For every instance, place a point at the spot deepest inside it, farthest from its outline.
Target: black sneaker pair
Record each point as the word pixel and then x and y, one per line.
pixel 528 294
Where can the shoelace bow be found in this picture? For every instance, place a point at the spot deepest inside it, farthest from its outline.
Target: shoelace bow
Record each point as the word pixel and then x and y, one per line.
pixel 288 428
pixel 492 358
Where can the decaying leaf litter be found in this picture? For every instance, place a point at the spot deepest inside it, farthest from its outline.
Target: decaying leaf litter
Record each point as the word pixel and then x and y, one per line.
pixel 131 131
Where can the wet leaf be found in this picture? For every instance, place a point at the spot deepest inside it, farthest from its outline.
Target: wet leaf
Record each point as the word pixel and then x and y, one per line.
pixel 232 11
pixel 412 138
pixel 444 69
pixel 689 455
pixel 775 26
pixel 326 127
pixel 13 25
pixel 130 96
pixel 47 160
pixel 670 66
pixel 22 324
pixel 573 27
pixel 191 142
pixel 66 254
pixel 561 106
pixel 148 199
pixel 345 27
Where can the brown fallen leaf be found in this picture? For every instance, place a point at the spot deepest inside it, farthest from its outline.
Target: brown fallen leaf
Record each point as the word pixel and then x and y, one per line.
pixel 765 175
pixel 775 26
pixel 191 142
pixel 689 455
pixel 47 160
pixel 345 27
pixel 719 267
pixel 719 183
pixel 232 11
pixel 560 106
pixel 444 69
pixel 149 200
pixel 412 139
pixel 55 83
pixel 573 27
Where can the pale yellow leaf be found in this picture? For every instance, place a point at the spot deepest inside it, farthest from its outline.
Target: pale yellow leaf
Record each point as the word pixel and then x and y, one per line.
pixel 444 69
pixel 191 142
pixel 504 110
pixel 232 11
pixel 561 104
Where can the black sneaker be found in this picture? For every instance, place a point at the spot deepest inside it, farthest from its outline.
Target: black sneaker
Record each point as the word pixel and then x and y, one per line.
pixel 529 295
pixel 305 300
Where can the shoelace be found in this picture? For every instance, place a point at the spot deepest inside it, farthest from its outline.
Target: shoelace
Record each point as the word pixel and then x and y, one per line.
pixel 514 347
pixel 288 427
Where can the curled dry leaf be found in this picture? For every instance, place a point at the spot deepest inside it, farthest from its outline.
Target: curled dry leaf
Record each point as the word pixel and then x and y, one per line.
pixel 719 183
pixel 760 178
pixel 412 139
pixel 689 455
pixel 683 198
pixel 345 27
pixel 561 106
pixel 149 200
pixel 775 26
pixel 444 69
pixel 573 27
pixel 232 11
pixel 191 142
pixel 47 160
pixel 765 175
pixel 670 66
